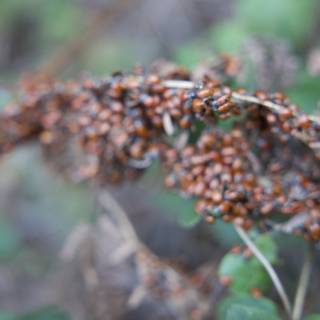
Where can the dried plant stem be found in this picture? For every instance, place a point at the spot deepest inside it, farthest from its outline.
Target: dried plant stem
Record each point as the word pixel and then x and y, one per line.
pixel 303 285
pixel 182 84
pixel 179 84
pixel 248 99
pixel 115 210
pixel 290 225
pixel 267 265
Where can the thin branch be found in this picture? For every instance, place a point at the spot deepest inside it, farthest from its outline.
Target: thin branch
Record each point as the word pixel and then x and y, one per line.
pixel 256 165
pixel 167 124
pixel 267 265
pixel 115 210
pixel 178 84
pixel 303 285
pixel 182 84
pixel 248 99
pixel 292 224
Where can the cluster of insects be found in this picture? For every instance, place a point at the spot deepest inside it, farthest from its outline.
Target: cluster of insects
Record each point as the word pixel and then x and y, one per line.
pixel 264 170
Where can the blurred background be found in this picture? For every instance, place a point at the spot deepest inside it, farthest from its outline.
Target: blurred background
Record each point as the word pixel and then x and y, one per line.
pixel 50 237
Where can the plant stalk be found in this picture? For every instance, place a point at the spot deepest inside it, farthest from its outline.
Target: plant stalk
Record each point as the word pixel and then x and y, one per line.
pixel 268 267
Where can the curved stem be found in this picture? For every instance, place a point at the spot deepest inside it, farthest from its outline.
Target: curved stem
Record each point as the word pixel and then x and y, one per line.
pixel 113 207
pixel 248 99
pixel 302 285
pixel 188 85
pixel 268 267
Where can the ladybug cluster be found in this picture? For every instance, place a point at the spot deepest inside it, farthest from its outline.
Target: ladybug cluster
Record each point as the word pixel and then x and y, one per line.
pixel 111 128
pixel 265 169
pixel 223 171
pixel 216 170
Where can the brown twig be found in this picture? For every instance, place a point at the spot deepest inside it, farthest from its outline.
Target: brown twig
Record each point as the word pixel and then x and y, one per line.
pixel 248 99
pixel 303 284
pixel 268 267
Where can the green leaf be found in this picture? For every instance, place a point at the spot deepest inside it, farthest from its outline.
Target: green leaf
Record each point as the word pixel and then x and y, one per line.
pixel 250 276
pixel 229 36
pixel 247 307
pixel 313 317
pixel 231 264
pixel 237 312
pixel 224 232
pixel 183 209
pixel 69 23
pixel 9 241
pixel 192 54
pixel 305 92
pixel 247 274
pixel 7 316
pixel 5 98
pixel 291 20
pixel 268 247
pixel 46 313
pixel 288 19
pixel 105 57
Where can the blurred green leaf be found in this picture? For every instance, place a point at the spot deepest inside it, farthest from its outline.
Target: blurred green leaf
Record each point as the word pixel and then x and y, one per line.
pixel 104 58
pixel 312 317
pixel 182 208
pixel 306 92
pixel 227 124
pixel 246 307
pixel 291 20
pixel 59 19
pixel 7 316
pixel 171 202
pixel 9 9
pixel 230 264
pixel 288 19
pixel 71 17
pixel 5 97
pixel 250 277
pixel 248 313
pixel 9 241
pixel 268 247
pixel 228 36
pixel 193 53
pixel 237 312
pixel 225 233
pixel 46 313
pixel 245 273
